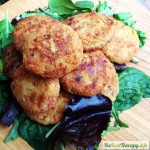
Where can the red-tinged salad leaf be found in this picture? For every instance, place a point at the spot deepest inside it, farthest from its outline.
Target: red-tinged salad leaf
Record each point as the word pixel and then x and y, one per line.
pixel 85 120
pixel 11 109
pixel 119 67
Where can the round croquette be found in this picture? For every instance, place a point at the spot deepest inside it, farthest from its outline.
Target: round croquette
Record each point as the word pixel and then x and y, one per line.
pixel 35 94
pixel 123 45
pixel 96 74
pixel 26 26
pixel 53 51
pixel 12 60
pixel 55 113
pixel 94 29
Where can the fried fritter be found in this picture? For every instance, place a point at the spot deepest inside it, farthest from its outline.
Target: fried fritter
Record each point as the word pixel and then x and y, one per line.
pixel 123 45
pixel 12 60
pixel 96 74
pixel 52 51
pixel 94 29
pixel 26 26
pixel 36 95
pixel 55 113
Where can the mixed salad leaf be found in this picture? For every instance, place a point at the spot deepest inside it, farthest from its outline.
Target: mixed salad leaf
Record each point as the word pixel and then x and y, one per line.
pixel 32 132
pixel 133 83
pixel 85 119
pixel 5 33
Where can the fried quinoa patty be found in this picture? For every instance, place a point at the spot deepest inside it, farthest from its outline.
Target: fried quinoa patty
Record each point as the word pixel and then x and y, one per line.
pixel 36 95
pixel 52 51
pixel 12 60
pixel 55 113
pixel 94 29
pixel 96 74
pixel 123 45
pixel 26 26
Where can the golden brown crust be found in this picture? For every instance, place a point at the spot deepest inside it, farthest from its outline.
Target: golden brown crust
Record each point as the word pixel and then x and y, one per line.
pixel 94 29
pixel 26 26
pixel 55 113
pixel 53 50
pixel 94 75
pixel 123 45
pixel 12 60
pixel 35 94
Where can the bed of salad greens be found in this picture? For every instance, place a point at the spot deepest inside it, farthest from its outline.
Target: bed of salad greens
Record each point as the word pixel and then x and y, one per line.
pixel 78 129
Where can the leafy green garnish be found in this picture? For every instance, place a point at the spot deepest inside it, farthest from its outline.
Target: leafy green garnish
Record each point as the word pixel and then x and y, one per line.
pixel 2 75
pixel 34 133
pixel 48 12
pixel 3 95
pixel 134 85
pixel 110 128
pixel 6 29
pixel 104 8
pixel 84 4
pixel 66 8
pixel 13 133
pixel 62 7
pixel 126 18
pixel 5 33
pixel 5 39
pixel 122 16
pixel 39 11
pixel 117 119
pixel 142 36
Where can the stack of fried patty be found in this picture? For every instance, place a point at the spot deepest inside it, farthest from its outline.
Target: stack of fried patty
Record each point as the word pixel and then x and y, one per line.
pixel 51 61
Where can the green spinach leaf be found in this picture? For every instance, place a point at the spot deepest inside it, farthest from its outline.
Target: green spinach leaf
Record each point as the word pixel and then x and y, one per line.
pixel 117 119
pixel 6 29
pixel 13 133
pixel 126 18
pixel 62 7
pixel 3 95
pixel 110 128
pixel 134 85
pixel 34 133
pixel 104 8
pixel 84 4
pixel 142 36
pixel 2 75
pixel 122 16
pixel 48 12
